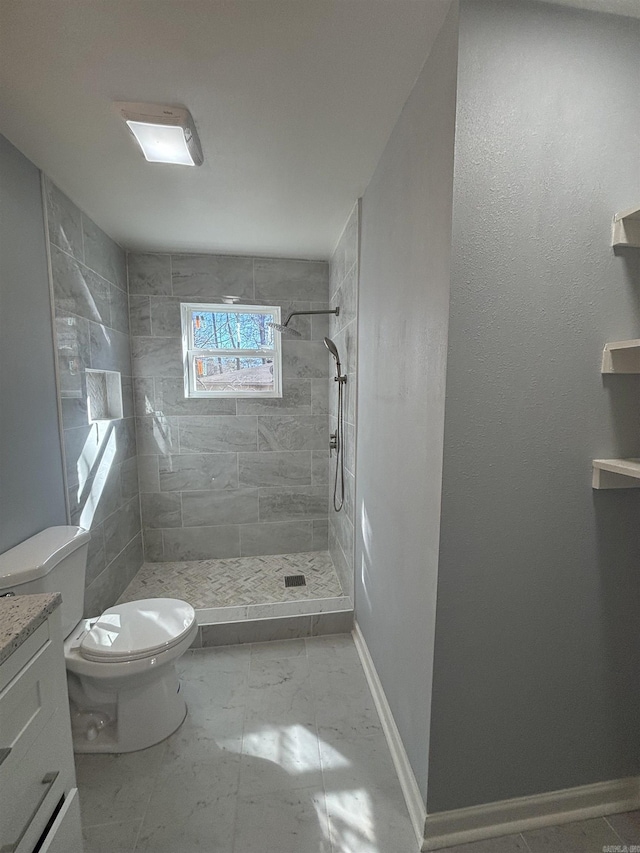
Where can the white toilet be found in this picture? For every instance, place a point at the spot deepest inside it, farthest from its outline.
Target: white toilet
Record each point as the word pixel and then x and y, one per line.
pixel 123 687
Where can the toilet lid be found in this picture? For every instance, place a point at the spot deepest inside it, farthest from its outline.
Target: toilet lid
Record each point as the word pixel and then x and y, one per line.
pixel 138 629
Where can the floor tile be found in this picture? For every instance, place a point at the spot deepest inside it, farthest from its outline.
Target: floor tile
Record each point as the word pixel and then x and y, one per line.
pixel 504 844
pixel 277 757
pixel 627 826
pixel 282 822
pixel 361 822
pixel 278 650
pixel 188 823
pixel 116 788
pixel 585 836
pixel 111 837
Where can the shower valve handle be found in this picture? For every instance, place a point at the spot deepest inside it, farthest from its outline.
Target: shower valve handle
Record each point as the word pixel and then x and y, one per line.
pixel 333 443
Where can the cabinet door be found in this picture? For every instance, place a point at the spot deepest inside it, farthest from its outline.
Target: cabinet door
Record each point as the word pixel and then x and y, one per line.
pixel 65 835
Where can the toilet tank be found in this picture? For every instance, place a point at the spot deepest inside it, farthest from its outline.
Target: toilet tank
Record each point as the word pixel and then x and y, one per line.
pixel 54 560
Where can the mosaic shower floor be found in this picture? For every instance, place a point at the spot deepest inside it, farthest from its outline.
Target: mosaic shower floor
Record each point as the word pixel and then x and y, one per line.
pixel 237 581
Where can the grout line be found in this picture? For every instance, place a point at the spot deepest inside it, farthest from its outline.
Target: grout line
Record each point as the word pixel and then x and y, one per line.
pixel 610 825
pixel 524 841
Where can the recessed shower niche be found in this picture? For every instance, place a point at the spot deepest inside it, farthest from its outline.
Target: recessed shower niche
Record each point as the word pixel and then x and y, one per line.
pixel 104 395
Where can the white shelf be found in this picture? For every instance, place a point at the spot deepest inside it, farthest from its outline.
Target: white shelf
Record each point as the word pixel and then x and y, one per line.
pixel 621 357
pixel 616 473
pixel 626 228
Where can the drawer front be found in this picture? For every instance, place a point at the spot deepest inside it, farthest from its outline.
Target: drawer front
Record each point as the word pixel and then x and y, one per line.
pixel 31 788
pixel 65 836
pixel 27 702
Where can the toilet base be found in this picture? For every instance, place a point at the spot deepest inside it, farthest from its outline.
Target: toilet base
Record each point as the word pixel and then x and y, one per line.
pixel 117 718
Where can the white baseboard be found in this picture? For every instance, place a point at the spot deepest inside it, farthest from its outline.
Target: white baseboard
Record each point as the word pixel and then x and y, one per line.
pixel 412 795
pixel 447 829
pixel 490 820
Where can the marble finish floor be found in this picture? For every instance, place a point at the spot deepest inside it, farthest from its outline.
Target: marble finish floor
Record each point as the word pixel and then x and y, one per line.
pixel 282 751
pixel 237 581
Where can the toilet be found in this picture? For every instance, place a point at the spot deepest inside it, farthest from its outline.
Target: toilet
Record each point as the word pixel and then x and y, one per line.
pixel 124 691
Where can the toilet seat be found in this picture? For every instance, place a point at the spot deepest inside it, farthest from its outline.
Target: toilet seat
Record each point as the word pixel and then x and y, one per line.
pixel 137 630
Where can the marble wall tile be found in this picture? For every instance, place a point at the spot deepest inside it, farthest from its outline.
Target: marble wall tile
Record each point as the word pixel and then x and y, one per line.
pixel 198 471
pixel 109 349
pixel 276 538
pixel 149 274
pixel 342 528
pixel 125 439
pixel 160 510
pixel 296 400
pixel 140 315
pixel 119 309
pixel 129 478
pixel 148 475
pixel 120 528
pixel 203 277
pixel 170 400
pixel 153 546
pixel 275 468
pixel 218 434
pixel 78 290
pixel 287 432
pixel 320 391
pixel 201 543
pixel 64 221
pixel 350 448
pixel 321 467
pixel 144 396
pixel 157 435
pixel 96 558
pixel 346 298
pixel 74 408
pixel 230 506
pixel 292 503
pixel 73 354
pixel 320 534
pixel 165 316
pixel 340 622
pixel 110 583
pixel 280 278
pixel 103 255
pixel 320 322
pixel 128 410
pixel 344 567
pixel 157 357
pixel 304 360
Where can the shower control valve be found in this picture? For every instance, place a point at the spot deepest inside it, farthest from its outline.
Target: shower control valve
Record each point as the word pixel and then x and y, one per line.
pixel 333 443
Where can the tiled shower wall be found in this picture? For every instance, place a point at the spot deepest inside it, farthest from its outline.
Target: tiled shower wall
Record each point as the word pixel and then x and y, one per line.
pixel 226 477
pixel 90 301
pixel 344 333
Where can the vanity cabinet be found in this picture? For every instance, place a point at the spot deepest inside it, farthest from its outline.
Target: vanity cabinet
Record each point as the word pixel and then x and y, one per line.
pixel 39 808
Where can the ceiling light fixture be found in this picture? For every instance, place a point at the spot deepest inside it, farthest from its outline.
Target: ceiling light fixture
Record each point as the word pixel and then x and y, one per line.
pixel 165 134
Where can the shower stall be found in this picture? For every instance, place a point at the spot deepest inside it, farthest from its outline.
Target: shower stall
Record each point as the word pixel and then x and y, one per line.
pixel 240 503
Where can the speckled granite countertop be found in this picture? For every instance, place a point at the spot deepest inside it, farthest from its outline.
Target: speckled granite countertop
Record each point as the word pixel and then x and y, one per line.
pixel 20 616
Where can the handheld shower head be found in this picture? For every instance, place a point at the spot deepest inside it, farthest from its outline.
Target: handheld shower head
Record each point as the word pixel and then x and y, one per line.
pixel 333 349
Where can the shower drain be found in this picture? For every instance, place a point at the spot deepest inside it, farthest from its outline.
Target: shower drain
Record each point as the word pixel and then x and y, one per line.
pixel 295 580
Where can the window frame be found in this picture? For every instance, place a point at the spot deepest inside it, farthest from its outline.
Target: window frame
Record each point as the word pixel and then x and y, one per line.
pixel 190 352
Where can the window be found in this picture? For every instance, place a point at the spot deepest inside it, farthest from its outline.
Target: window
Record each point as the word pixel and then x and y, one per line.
pixel 231 351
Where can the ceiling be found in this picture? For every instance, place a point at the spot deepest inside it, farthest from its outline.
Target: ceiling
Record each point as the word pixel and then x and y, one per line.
pixel 294 101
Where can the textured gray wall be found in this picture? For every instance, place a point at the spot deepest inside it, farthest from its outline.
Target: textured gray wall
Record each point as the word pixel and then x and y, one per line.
pixel 225 477
pixel 536 674
pixel 31 482
pixel 92 330
pixel 343 330
pixel 403 308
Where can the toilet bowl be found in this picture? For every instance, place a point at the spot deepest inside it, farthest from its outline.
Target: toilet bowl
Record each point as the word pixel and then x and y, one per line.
pixel 123 687
pixel 124 691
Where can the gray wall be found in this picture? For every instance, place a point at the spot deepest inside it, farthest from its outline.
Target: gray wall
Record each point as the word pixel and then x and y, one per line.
pixel 92 330
pixel 536 676
pixel 227 477
pixel 31 482
pixel 403 308
pixel 343 330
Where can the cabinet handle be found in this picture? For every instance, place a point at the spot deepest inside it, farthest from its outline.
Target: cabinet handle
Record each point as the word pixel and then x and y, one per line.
pixel 5 752
pixel 48 780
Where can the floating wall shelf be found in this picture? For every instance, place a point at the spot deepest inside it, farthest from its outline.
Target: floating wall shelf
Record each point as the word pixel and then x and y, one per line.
pixel 626 228
pixel 621 357
pixel 616 473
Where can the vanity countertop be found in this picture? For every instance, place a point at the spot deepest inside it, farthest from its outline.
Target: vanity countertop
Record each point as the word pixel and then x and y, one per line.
pixel 20 616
